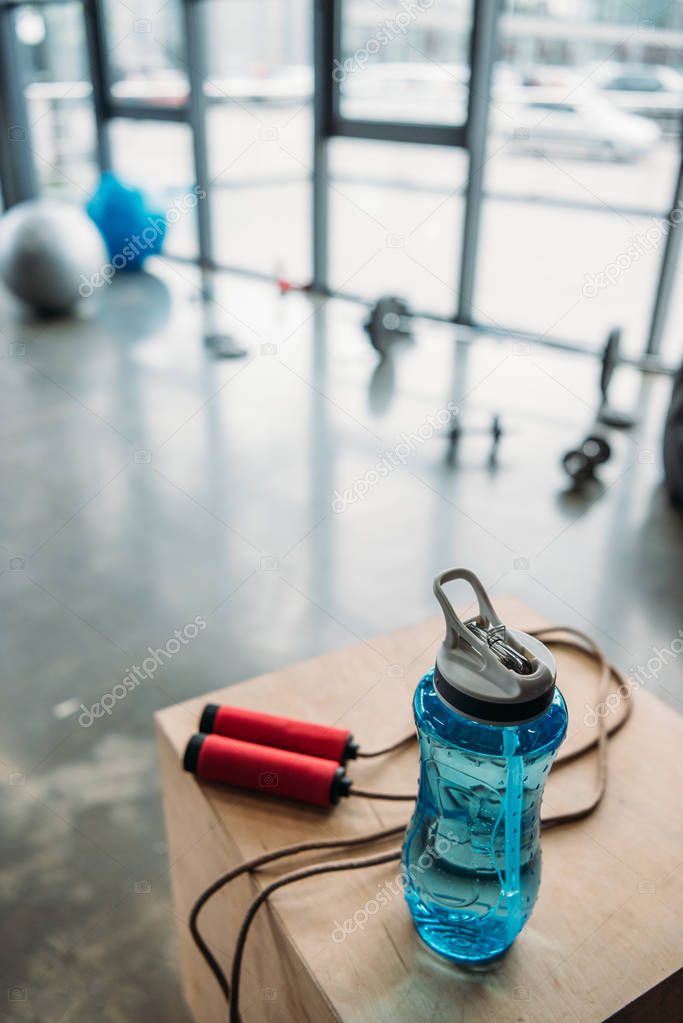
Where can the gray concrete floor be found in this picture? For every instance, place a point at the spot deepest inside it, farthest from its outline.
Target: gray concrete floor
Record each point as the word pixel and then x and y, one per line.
pixel 147 483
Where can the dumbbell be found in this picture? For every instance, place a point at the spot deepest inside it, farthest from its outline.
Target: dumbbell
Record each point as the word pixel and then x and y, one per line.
pixel 388 321
pixel 456 430
pixel 580 463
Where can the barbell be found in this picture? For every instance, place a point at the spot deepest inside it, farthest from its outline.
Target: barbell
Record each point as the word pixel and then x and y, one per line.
pixel 391 318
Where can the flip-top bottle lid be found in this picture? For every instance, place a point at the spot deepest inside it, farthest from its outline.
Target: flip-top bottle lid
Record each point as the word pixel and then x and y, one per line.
pixel 485 670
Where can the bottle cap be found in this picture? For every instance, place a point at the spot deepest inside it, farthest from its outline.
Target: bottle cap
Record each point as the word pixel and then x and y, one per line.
pixel 485 670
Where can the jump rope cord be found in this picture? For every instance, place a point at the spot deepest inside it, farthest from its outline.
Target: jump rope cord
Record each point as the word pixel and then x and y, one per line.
pixel 295 875
pixel 552 636
pixel 607 672
pixel 365 794
pixel 260 861
pixel 405 741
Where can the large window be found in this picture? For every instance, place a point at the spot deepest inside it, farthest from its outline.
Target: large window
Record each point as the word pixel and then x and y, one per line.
pixel 53 59
pixel 582 158
pixel 509 169
pixel 147 59
pixel 404 62
pixel 258 89
pixel 396 221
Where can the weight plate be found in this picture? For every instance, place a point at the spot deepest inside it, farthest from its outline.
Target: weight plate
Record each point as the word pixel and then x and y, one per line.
pixel 577 466
pixel 596 449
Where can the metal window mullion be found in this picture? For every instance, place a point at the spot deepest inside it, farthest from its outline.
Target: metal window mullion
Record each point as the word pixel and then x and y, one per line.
pixel 146 112
pixel 400 131
pixel 667 272
pixel 482 55
pixel 93 14
pixel 325 45
pixel 196 115
pixel 18 176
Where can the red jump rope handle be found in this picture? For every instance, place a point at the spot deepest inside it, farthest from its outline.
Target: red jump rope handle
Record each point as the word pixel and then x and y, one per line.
pixel 265 769
pixel 284 733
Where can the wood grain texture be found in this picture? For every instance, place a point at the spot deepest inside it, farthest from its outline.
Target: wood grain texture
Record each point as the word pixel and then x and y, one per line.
pixel 607 928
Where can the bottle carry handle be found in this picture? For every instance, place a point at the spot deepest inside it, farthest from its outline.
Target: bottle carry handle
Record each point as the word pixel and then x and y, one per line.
pixel 480 640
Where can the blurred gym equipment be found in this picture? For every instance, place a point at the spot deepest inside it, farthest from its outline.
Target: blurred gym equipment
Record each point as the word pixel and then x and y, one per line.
pixel 456 431
pixel 580 463
pixel 48 252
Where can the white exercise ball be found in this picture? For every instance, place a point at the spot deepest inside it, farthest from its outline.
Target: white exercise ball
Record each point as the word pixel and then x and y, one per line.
pixel 48 253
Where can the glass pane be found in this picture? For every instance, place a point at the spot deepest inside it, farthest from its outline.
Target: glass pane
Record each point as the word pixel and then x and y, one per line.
pixel 53 54
pixel 157 157
pixel 581 168
pixel 395 221
pixel 146 52
pixel 259 127
pixel 259 50
pixel 404 61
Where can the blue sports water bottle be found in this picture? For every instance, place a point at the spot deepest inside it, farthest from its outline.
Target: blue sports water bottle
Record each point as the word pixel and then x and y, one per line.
pixel 490 721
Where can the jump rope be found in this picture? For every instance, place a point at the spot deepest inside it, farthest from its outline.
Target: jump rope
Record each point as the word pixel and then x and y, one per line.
pixel 305 761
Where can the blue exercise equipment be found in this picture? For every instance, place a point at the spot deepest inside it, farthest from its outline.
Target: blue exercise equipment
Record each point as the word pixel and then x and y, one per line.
pixel 132 229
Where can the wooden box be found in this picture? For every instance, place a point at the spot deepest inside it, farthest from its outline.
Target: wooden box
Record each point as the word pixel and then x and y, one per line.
pixel 606 936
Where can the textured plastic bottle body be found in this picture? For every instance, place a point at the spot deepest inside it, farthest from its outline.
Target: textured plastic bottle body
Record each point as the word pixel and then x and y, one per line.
pixel 471 856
